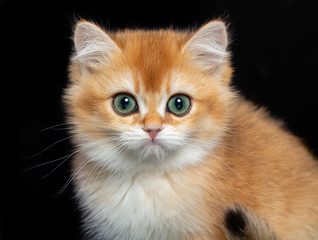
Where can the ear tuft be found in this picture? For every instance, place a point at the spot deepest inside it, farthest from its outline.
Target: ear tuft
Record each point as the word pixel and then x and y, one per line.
pixel 93 46
pixel 208 45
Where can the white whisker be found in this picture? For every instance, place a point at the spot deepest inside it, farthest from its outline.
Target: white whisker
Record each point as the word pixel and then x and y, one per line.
pixel 70 179
pixel 46 163
pixel 53 144
pixel 60 164
pixel 54 127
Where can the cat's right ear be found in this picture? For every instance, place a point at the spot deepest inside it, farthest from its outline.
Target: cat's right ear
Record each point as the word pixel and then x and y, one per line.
pixel 93 47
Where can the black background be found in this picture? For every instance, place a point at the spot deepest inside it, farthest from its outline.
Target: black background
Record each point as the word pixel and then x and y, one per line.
pixel 274 45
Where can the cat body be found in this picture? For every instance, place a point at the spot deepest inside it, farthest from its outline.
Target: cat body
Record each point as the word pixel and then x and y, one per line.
pixel 188 148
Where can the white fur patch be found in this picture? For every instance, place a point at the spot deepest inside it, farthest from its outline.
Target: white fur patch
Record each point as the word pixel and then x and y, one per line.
pixel 162 106
pixel 144 207
pixel 143 109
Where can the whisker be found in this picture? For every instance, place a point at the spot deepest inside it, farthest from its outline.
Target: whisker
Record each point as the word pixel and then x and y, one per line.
pixel 230 168
pixel 46 163
pixel 238 151
pixel 92 173
pixel 56 195
pixel 101 168
pixel 60 164
pixel 53 144
pixel 54 126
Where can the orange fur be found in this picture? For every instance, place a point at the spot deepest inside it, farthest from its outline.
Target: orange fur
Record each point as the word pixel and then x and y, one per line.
pixel 257 162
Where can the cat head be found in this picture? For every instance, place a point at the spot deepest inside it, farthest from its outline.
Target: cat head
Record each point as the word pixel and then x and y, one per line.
pixel 144 100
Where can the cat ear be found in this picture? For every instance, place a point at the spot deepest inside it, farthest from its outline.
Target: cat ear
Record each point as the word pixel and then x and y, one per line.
pixel 93 46
pixel 208 45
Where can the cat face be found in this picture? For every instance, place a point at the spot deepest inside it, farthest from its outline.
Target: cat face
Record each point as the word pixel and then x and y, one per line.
pixel 143 100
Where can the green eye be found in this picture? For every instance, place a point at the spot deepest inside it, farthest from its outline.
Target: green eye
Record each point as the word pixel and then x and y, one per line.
pixel 179 104
pixel 124 104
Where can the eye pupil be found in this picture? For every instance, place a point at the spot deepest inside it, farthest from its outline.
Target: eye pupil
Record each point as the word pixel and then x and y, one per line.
pixel 124 102
pixel 178 103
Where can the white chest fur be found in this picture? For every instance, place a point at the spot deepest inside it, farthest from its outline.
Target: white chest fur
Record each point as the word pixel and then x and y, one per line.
pixel 148 206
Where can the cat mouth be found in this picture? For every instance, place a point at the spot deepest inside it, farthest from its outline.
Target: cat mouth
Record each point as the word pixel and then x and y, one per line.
pixel 154 148
pixel 153 144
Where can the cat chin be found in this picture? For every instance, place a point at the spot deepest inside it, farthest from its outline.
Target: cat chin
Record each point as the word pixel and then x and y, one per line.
pixel 152 151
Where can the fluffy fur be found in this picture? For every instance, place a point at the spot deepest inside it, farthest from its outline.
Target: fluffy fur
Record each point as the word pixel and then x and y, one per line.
pixel 224 151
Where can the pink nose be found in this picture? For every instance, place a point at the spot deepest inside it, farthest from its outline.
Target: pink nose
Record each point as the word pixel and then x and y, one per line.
pixel 153 132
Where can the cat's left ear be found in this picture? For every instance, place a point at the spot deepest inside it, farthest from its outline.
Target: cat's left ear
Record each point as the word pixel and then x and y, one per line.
pixel 208 45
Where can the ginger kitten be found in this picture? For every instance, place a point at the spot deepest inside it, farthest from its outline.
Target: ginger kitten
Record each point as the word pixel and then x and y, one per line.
pixel 165 147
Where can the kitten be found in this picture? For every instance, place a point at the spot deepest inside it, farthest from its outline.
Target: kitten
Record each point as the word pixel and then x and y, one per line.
pixel 164 144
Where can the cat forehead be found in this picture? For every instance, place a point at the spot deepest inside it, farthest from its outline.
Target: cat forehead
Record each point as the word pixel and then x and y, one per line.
pixel 150 101
pixel 151 57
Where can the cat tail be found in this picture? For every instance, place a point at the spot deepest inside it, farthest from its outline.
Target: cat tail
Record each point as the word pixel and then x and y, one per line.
pixel 239 224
